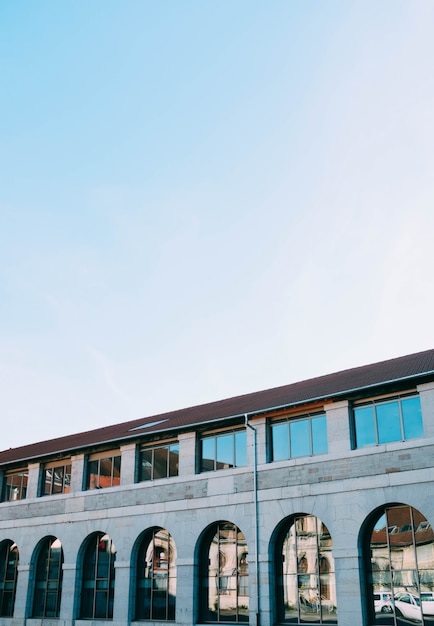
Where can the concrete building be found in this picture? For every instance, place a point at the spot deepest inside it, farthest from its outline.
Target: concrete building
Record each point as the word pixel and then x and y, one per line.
pixel 311 503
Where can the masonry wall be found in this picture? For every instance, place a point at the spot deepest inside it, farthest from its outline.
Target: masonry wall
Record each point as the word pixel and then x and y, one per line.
pixel 342 488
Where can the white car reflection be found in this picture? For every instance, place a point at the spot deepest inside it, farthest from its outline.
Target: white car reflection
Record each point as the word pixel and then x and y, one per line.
pixel 408 605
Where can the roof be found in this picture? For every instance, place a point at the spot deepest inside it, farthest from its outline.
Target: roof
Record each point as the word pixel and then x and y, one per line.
pixel 332 386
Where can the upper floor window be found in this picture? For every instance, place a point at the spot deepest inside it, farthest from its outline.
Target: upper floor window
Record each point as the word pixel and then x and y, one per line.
pixel 304 436
pixel 15 485
pixel 57 478
pixel 159 461
pixel 223 450
pixel 8 577
pixel 104 470
pixel 388 420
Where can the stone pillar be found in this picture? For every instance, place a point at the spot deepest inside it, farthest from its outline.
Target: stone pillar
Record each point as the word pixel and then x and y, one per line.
pixel 77 470
pixel 260 426
pixel 122 593
pixel 426 393
pixel 186 599
pixel 128 464
pixel 20 607
pixel 347 572
pixel 187 454
pixel 69 593
pixel 338 427
pixel 33 480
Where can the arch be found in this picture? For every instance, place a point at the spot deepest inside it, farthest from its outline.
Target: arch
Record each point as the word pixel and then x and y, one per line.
pixel 9 559
pixel 97 572
pixel 304 573
pixel 398 565
pixel 223 574
pixel 154 578
pixel 47 568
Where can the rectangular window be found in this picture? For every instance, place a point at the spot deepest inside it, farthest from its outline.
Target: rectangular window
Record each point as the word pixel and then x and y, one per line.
pixel 15 485
pixel 297 437
pixel 57 478
pixel 103 470
pixel 159 461
pixel 396 419
pixel 223 451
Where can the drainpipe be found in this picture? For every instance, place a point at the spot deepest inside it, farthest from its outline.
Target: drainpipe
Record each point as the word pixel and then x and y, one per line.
pixel 255 492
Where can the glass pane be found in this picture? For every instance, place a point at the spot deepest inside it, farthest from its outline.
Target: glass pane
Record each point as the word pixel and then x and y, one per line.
pixel 47 481
pixel 388 422
pixel 173 460
pixel 365 426
pixel 116 470
pixel 146 464
pixel 225 451
pixel 160 462
pixel 67 479
pixel 319 435
pixel 240 449
pixel 207 457
pixel 92 468
pixel 299 433
pixel 412 418
pixel 58 480
pixel 280 441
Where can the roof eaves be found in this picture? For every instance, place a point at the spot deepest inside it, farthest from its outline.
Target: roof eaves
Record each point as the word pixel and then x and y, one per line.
pixel 231 417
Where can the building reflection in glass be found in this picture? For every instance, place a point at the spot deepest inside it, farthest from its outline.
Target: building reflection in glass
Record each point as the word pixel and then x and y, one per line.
pixel 401 583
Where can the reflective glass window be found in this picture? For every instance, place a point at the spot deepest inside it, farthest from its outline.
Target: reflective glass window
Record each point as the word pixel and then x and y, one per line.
pixel 98 578
pixel 389 420
pixel 159 461
pixel 9 558
pixel 224 575
pixel 400 566
pixel 305 573
pixel 223 451
pixel 104 471
pixel 57 479
pixel 156 577
pixel 15 485
pixel 298 437
pixel 48 579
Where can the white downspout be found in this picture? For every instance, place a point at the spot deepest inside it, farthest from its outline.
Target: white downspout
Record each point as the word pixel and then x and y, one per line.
pixel 255 493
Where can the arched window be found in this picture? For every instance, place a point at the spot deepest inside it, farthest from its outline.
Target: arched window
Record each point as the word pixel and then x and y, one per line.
pixel 224 575
pixel 305 573
pixel 48 579
pixel 98 578
pixel 400 564
pixel 156 577
pixel 8 577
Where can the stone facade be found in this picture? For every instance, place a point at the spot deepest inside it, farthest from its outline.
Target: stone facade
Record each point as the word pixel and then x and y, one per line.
pixel 342 488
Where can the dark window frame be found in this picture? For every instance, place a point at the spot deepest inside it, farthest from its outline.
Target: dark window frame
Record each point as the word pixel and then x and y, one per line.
pixel 237 460
pixel 97 577
pixel 95 471
pixel 374 404
pixel 17 488
pixel 48 569
pixel 9 560
pixel 55 474
pixel 155 473
pixel 307 418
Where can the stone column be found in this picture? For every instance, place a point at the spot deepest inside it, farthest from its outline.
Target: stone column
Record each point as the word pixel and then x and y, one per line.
pixel 348 587
pixel 186 599
pixel 187 454
pixel 121 606
pixel 69 593
pixel 128 464
pixel 33 481
pixel 338 427
pixel 77 469
pixel 20 607
pixel 426 393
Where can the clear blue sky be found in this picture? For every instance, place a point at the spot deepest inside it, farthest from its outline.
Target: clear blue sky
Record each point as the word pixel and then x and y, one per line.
pixel 199 199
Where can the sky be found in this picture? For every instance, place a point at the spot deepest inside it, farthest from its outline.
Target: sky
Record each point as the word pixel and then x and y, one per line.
pixel 201 199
